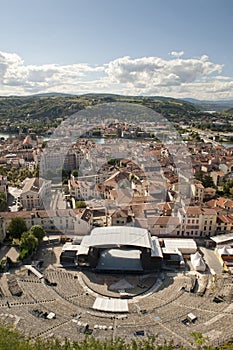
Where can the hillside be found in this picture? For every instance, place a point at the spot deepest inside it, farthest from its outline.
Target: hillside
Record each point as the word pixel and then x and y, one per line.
pixel 218 106
pixel 54 106
pixel 229 111
pixel 39 106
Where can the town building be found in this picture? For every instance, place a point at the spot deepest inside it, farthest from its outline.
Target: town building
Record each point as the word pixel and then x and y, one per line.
pixel 35 193
pixel 64 221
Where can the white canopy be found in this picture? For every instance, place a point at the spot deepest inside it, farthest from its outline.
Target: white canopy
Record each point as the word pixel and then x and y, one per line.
pixel 111 305
pixel 116 236
pixel 197 262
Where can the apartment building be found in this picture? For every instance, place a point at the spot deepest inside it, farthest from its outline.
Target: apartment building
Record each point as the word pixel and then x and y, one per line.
pixel 208 219
pixel 190 218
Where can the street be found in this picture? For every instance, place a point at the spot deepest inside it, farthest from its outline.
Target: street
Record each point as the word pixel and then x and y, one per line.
pixel 212 260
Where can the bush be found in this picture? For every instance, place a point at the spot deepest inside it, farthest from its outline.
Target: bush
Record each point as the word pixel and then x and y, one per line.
pixel 3 264
pixel 80 204
pixel 23 254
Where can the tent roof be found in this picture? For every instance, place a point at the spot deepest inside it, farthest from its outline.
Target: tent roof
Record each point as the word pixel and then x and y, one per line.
pixel 223 250
pixel 196 256
pixel 222 238
pixel 197 260
pixel 116 236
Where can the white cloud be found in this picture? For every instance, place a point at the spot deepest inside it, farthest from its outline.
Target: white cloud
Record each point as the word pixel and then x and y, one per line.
pixel 156 71
pixel 177 53
pixel 197 77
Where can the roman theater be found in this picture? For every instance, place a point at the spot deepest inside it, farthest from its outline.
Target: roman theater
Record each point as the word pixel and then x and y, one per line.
pixel 118 282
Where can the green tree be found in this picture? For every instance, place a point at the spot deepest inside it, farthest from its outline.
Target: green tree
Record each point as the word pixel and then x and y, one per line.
pixel 75 172
pixel 16 227
pixel 28 242
pixel 208 181
pixel 199 175
pixel 36 171
pixel 38 232
pixel 2 201
pixel 80 204
pixel 228 188
pixel 200 341
pixel 65 182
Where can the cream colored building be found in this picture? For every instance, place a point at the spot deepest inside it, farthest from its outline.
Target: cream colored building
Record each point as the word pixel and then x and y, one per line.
pixel 208 219
pixel 190 218
pixel 35 193
pixel 64 221
pixel 197 191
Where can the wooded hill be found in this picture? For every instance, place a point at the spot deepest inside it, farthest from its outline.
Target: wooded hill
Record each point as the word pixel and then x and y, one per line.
pixel 43 106
pixel 38 113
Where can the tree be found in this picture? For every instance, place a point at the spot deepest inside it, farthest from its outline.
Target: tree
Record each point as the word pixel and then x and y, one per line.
pixel 228 188
pixel 75 172
pixel 2 201
pixel 80 204
pixel 208 181
pixel 38 232
pixel 199 175
pixel 65 182
pixel 28 242
pixel 16 227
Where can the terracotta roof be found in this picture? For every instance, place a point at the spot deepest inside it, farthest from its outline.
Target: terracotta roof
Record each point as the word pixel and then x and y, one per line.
pixel 164 220
pixel 195 210
pixel 212 203
pixel 221 202
pixel 229 203
pixel 224 219
pixel 43 213
pixel 208 211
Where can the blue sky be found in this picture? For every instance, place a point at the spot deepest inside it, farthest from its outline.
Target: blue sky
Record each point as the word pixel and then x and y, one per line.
pixel 117 46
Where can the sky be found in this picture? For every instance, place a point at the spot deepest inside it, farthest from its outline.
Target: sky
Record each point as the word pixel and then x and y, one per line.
pixel 177 48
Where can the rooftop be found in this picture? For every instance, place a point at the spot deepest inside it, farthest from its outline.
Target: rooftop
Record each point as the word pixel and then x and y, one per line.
pixel 222 238
pixel 116 236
